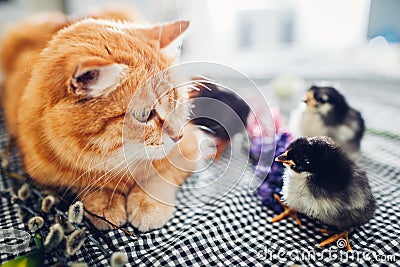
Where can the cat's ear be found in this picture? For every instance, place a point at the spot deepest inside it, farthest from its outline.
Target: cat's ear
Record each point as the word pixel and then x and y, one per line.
pixel 168 32
pixel 96 76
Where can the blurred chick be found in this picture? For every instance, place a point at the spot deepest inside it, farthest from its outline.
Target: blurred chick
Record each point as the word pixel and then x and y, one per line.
pixel 327 113
pixel 220 112
pixel 322 182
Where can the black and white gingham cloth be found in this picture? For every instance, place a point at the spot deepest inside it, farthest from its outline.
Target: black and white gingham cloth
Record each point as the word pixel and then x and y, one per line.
pixel 234 230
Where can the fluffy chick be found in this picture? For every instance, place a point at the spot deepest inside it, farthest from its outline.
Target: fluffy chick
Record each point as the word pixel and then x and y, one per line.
pixel 221 113
pixel 322 182
pixel 327 113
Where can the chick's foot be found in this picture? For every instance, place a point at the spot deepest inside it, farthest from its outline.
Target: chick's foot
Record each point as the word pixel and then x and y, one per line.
pixel 336 237
pixel 287 211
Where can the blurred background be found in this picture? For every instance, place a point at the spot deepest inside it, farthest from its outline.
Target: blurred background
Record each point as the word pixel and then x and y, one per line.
pixel 283 45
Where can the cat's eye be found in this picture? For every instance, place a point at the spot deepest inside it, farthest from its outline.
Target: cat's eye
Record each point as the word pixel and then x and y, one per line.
pixel 142 115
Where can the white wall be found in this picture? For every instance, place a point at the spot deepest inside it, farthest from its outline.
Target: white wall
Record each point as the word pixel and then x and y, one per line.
pixel 331 23
pixel 328 36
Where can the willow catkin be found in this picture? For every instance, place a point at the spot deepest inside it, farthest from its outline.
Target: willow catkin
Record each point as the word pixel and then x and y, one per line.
pixel 35 223
pixel 24 192
pixel 75 241
pixel 47 203
pixel 75 212
pixel 54 237
pixel 66 225
pixel 118 259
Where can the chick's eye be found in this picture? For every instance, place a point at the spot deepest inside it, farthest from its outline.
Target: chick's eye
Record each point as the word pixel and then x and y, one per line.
pixel 142 115
pixel 320 99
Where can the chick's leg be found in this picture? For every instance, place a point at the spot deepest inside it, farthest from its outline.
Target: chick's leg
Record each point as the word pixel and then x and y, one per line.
pixel 343 235
pixel 286 212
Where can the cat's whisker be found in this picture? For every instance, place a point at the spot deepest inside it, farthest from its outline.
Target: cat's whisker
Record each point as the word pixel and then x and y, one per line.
pixel 205 128
pixel 175 100
pixel 108 179
pixel 139 152
pixel 100 163
pixel 28 61
pixel 191 82
pixel 106 182
pixel 147 174
pixel 205 78
pixel 116 186
pixel 192 87
pixel 83 150
pixel 86 172
pixel 96 180
pixel 92 180
pixel 202 83
pixel 188 84
pixel 90 167
pixel 127 180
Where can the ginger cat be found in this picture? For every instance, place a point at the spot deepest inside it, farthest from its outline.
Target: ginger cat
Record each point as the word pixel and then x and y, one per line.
pixel 67 87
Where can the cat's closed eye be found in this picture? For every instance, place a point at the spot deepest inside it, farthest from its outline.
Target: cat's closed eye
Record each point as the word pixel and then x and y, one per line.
pixel 142 115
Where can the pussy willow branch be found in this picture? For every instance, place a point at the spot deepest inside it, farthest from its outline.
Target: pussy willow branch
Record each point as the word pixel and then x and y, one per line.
pixel 38 193
pixel 110 223
pixel 59 212
pixel 9 196
pixel 76 226
pixel 24 179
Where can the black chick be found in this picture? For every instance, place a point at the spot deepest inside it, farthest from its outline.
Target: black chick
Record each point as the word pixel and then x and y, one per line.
pixel 327 113
pixel 321 181
pixel 220 112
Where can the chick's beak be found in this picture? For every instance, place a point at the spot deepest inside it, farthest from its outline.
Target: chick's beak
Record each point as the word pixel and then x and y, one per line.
pixel 283 158
pixel 310 100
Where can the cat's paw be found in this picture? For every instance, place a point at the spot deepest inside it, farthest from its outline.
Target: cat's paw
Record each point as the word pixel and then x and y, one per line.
pixel 115 215
pixel 146 213
pixel 100 205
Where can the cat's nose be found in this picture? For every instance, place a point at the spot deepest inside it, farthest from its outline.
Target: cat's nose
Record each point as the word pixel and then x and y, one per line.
pixel 176 138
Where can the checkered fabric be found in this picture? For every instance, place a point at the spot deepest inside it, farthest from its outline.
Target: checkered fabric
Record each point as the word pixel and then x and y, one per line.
pixel 234 230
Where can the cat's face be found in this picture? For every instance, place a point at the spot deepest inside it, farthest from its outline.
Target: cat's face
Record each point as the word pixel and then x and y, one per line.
pixel 155 118
pixel 90 81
